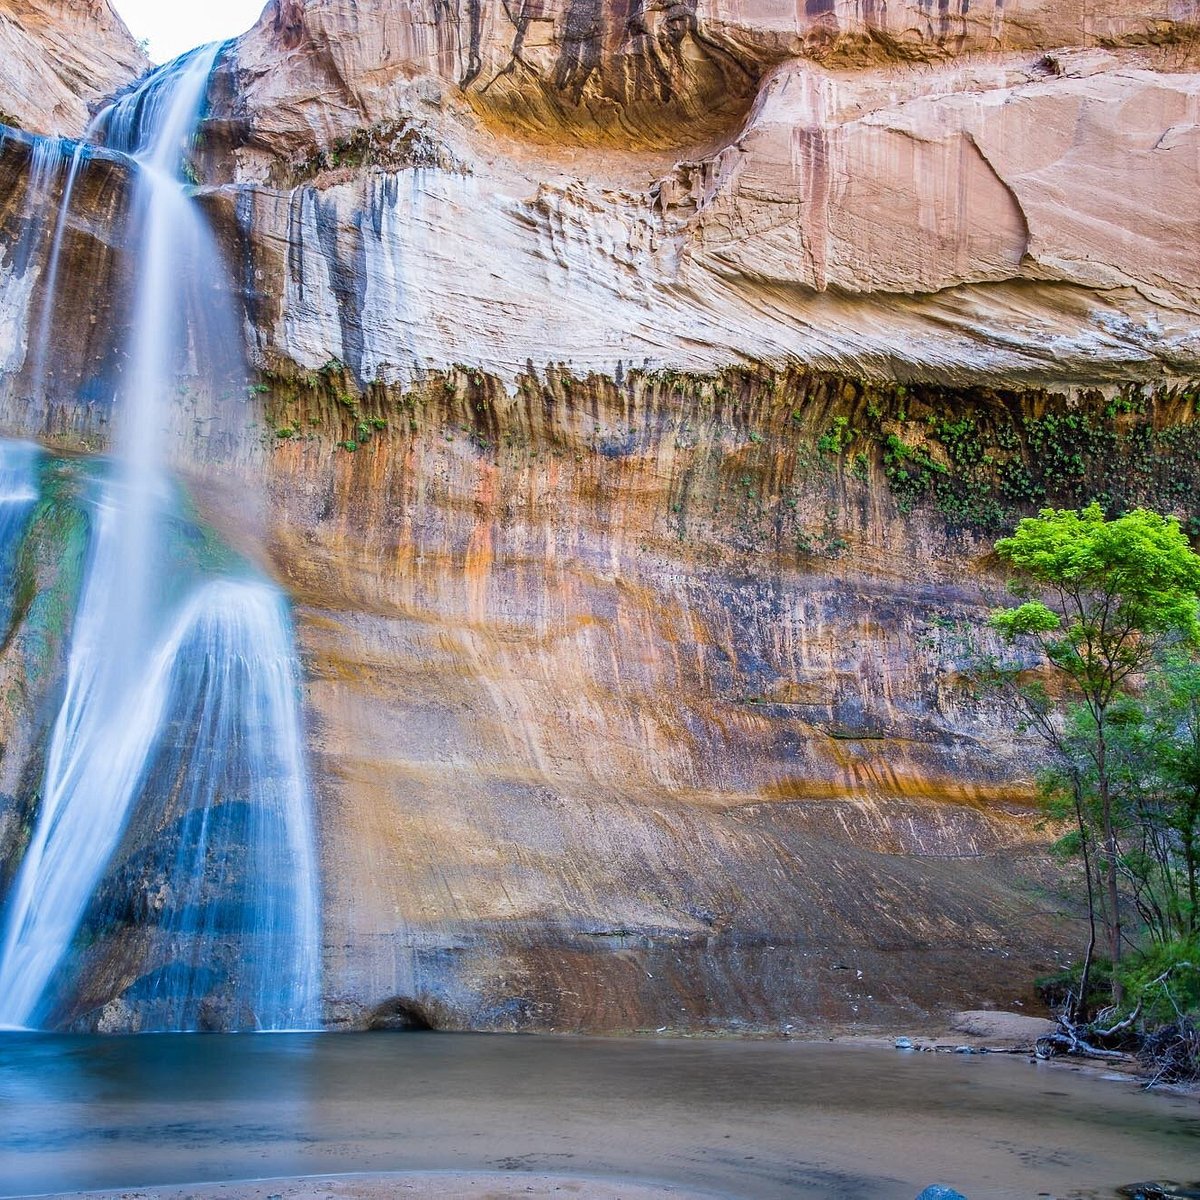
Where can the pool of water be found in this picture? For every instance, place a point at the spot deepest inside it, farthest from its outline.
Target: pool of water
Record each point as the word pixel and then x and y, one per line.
pixel 739 1119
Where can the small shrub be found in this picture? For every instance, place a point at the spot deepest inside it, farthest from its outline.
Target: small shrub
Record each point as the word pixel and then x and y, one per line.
pixel 1166 980
pixel 1057 989
pixel 839 438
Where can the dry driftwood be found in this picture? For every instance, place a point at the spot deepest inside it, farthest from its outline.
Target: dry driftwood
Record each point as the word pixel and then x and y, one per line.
pixel 1079 1041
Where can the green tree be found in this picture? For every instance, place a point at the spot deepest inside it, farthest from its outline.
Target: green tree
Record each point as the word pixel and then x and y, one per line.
pixel 1167 754
pixel 1101 598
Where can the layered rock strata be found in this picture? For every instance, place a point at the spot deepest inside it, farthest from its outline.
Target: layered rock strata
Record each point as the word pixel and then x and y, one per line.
pixel 905 198
pixel 61 56
pixel 642 388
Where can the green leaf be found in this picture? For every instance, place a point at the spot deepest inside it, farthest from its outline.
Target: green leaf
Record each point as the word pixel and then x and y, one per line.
pixel 1031 617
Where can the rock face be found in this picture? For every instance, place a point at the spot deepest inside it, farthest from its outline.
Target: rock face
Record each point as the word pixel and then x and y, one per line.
pixel 642 387
pixel 945 195
pixel 613 738
pixel 60 56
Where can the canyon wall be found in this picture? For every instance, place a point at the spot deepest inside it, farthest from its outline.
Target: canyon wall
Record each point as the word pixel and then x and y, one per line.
pixel 641 387
pixel 957 197
pixel 59 57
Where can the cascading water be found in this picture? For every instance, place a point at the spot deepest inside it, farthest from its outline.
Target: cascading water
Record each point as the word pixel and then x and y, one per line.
pixel 17 262
pixel 41 338
pixel 180 722
pixel 18 494
pixel 44 163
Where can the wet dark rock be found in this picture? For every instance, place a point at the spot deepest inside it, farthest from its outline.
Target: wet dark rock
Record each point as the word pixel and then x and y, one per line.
pixel 1161 1190
pixel 401 1015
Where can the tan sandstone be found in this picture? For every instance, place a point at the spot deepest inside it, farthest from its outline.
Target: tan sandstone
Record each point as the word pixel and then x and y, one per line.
pixel 60 57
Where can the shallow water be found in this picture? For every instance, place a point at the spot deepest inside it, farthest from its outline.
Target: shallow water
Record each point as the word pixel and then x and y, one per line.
pixel 746 1119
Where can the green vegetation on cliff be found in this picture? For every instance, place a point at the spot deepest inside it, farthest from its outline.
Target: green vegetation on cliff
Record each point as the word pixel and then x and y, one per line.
pixel 971 458
pixel 980 457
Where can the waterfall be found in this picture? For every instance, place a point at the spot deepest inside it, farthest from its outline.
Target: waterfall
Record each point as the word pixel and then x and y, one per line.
pixel 18 279
pixel 18 494
pixel 233 679
pixel 41 331
pixel 44 162
pixel 180 720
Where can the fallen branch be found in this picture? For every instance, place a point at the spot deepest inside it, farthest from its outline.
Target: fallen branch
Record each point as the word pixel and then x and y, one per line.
pixel 1172 1053
pixel 1069 1042
pixel 1121 1026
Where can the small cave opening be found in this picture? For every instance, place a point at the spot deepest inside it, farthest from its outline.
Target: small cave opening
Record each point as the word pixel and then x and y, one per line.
pixel 401 1015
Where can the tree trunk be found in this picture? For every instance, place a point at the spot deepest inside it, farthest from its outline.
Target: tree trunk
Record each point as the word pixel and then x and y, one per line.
pixel 1112 895
pixel 1079 1013
pixel 1190 864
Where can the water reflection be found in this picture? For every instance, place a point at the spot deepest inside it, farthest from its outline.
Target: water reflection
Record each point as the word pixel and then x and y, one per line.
pixel 760 1120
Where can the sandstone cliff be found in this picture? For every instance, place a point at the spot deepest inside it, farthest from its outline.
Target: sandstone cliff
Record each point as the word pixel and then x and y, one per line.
pixel 60 56
pixel 952 195
pixel 642 386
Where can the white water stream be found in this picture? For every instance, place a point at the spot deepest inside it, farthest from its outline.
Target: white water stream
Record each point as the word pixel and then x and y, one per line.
pixel 181 704
pixel 45 322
